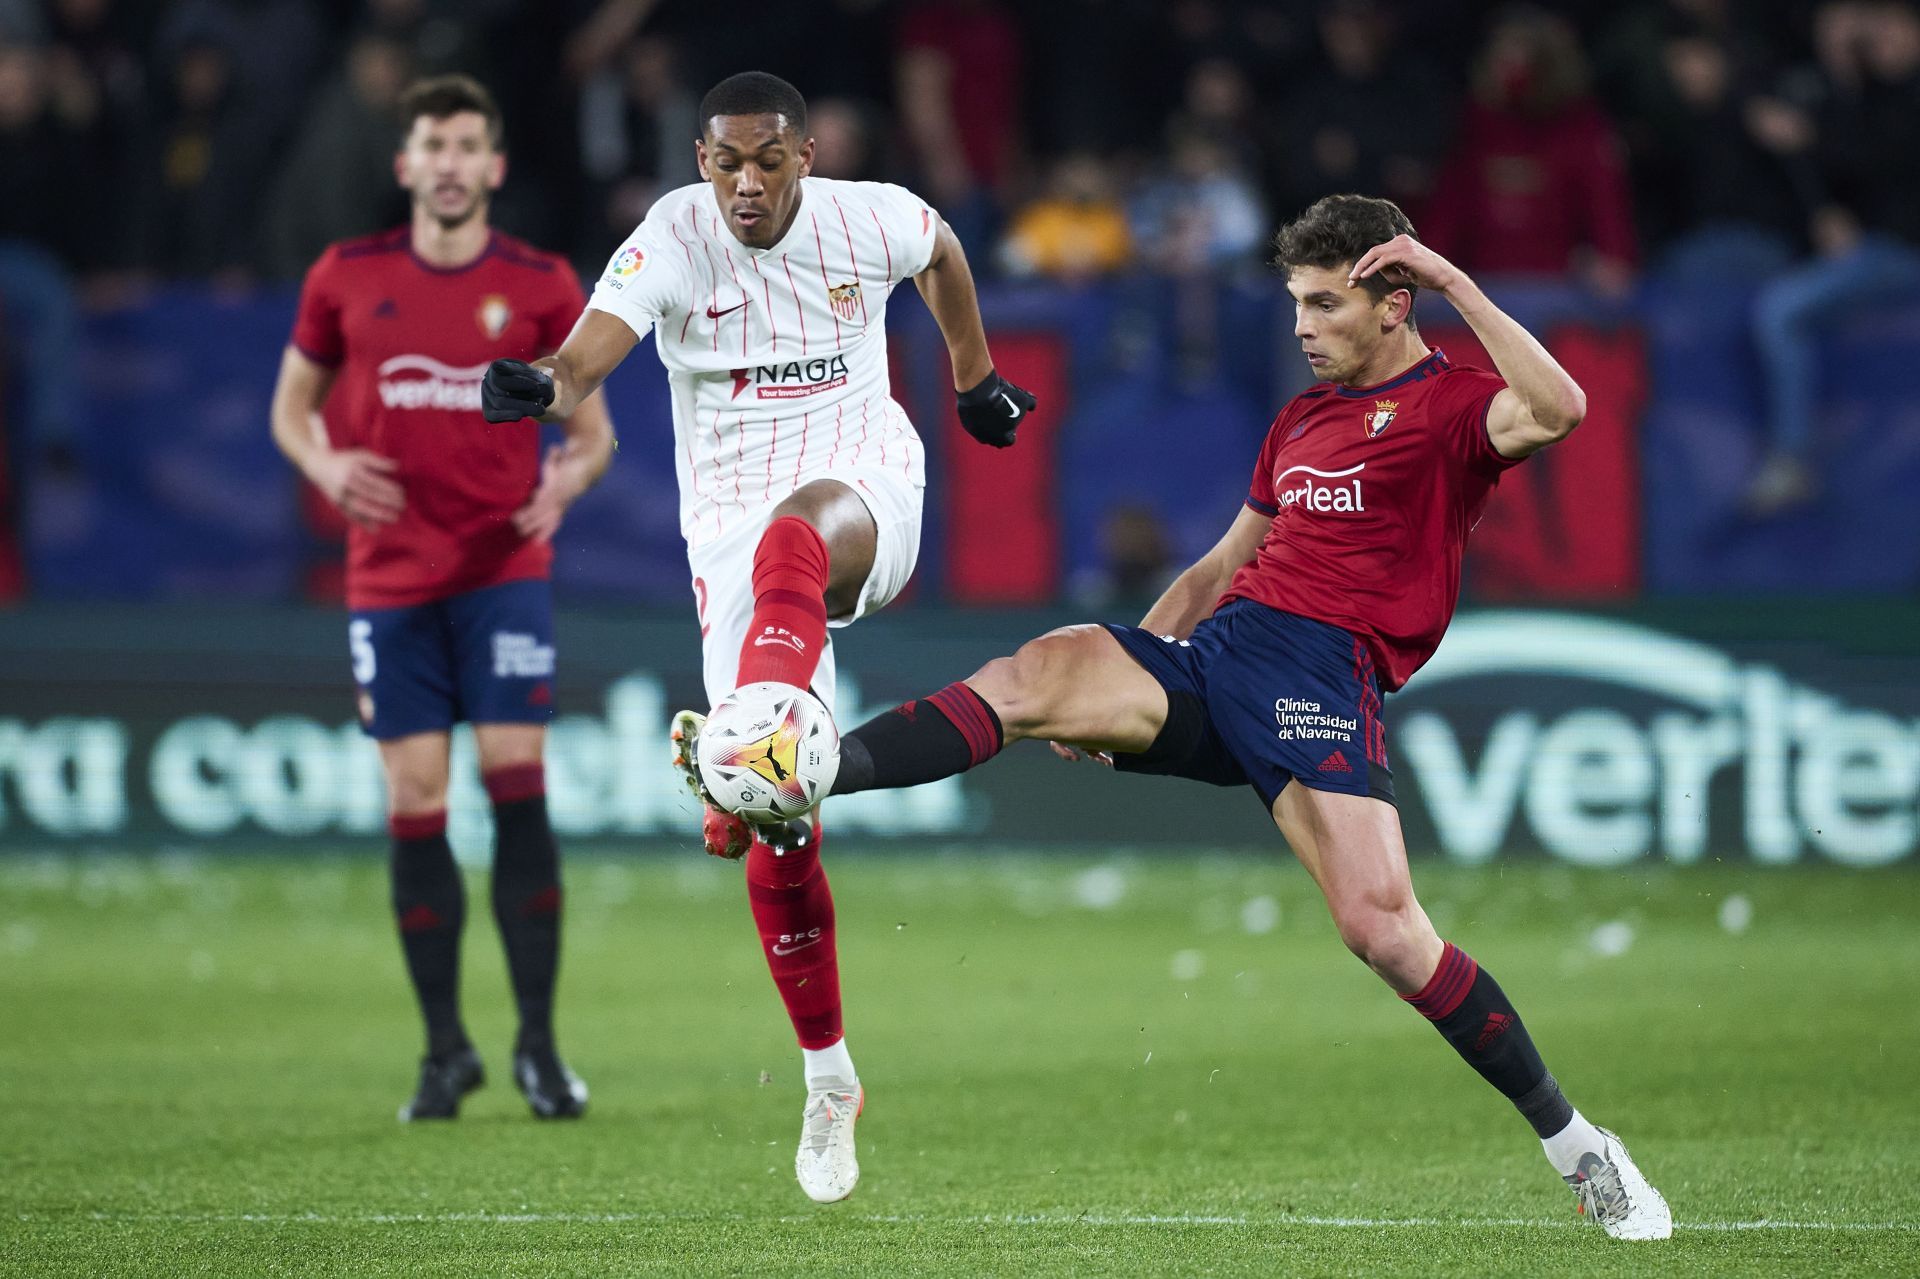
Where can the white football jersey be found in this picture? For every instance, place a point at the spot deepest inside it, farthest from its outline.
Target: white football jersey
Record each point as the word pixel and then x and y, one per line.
pixel 776 357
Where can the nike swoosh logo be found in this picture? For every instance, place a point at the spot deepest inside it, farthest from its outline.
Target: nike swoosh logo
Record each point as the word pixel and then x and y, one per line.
pixel 1013 410
pixel 714 315
pixel 778 949
pixel 758 640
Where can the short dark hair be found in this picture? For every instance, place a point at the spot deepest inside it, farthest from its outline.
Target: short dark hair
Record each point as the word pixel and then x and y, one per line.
pixel 1337 231
pixel 755 93
pixel 438 97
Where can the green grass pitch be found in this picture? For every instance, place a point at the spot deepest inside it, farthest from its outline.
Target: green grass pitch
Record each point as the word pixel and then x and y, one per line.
pixel 1128 1066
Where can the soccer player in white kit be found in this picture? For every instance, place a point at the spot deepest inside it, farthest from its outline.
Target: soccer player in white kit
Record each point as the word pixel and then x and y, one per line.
pixel 800 478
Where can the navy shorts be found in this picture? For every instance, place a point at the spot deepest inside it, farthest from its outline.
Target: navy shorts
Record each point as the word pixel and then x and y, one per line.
pixel 1260 697
pixel 485 657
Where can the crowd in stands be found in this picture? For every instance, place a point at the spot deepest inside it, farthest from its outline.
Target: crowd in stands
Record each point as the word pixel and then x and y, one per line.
pixel 230 140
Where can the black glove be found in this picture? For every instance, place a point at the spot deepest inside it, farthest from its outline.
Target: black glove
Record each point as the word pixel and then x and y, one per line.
pixel 513 389
pixel 991 412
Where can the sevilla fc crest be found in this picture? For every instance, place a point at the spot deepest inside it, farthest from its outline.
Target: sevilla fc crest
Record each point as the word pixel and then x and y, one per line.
pixel 494 315
pixel 845 298
pixel 1381 417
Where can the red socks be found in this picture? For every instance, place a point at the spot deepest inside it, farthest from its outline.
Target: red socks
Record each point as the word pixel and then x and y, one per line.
pixel 793 909
pixel 789 626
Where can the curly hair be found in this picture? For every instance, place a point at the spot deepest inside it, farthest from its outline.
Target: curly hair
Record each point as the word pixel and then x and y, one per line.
pixel 755 93
pixel 1337 231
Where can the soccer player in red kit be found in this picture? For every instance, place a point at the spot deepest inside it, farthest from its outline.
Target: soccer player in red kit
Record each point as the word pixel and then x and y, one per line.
pixel 449 548
pixel 1264 663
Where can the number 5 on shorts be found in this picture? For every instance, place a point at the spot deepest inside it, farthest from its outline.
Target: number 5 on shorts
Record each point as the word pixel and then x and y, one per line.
pixel 360 644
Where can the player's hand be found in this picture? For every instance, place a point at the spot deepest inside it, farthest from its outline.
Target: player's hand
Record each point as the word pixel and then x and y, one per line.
pixel 1404 260
pixel 513 389
pixel 560 484
pixel 992 411
pixel 1074 754
pixel 361 484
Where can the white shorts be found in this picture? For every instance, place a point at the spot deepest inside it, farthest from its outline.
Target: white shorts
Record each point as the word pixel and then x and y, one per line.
pixel 723 576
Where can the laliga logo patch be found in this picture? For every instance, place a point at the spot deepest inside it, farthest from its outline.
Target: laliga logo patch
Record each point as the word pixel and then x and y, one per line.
pixel 494 315
pixel 630 262
pixel 844 298
pixel 1381 417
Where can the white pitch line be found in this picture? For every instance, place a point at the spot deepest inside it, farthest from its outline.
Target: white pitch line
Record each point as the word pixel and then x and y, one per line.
pixel 986 1219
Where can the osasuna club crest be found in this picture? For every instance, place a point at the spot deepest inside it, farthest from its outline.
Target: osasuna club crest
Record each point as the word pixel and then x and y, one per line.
pixel 1381 417
pixel 494 315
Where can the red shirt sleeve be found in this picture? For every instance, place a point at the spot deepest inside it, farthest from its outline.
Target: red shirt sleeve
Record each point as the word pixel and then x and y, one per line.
pixel 569 301
pixel 316 325
pixel 1464 397
pixel 1261 498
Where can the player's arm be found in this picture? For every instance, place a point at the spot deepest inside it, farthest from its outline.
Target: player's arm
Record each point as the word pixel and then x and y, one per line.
pixel 1191 597
pixel 554 387
pixel 570 469
pixel 359 482
pixel 1541 403
pixel 990 406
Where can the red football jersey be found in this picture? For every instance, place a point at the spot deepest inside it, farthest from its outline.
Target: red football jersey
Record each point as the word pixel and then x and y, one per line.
pixel 411 342
pixel 1373 491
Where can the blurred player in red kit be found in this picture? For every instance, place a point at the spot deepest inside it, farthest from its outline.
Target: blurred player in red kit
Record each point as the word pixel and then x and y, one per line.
pixel 1264 663
pixel 449 552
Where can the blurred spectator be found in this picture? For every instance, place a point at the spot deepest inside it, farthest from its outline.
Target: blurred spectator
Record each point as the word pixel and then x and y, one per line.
pixel 959 68
pixel 1710 179
pixel 436 38
pixel 638 122
pixel 198 202
pixel 843 131
pixel 277 49
pixel 1137 563
pixel 1864 131
pixel 53 125
pixel 1202 210
pixel 339 181
pixel 39 322
pixel 1076 230
pixel 1370 119
pixel 1536 183
pixel 1088 47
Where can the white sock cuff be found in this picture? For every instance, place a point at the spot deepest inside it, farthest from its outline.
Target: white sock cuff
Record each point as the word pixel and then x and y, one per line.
pixel 830 1063
pixel 1565 1147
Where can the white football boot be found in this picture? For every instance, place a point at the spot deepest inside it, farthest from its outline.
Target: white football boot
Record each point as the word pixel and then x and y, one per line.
pixel 1610 1188
pixel 825 1163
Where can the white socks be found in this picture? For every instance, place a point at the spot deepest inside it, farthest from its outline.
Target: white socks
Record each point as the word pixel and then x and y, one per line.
pixel 1565 1147
pixel 835 1065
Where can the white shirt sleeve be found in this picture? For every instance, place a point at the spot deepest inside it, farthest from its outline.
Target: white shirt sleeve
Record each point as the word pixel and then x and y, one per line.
pixel 910 227
pixel 645 280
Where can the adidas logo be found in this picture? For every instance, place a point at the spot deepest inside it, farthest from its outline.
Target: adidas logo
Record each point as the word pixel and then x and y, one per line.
pixel 1496 1026
pixel 1335 763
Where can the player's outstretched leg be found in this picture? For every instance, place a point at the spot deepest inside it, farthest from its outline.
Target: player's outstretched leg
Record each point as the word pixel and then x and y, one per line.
pixel 527 906
pixel 1471 1012
pixel 793 912
pixel 1352 846
pixel 430 905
